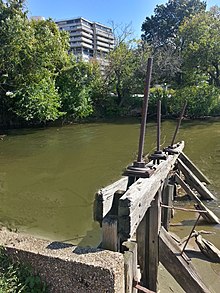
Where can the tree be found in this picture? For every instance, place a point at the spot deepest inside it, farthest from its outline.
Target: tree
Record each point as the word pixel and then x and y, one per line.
pixel 167 65
pixel 120 70
pixel 201 47
pixel 32 54
pixel 126 70
pixel 161 28
pixel 77 86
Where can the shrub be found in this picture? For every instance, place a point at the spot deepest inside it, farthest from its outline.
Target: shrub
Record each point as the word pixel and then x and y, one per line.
pixel 17 278
pixel 202 100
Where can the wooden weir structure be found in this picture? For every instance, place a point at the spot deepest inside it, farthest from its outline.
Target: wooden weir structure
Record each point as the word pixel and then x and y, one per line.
pixel 134 213
pixel 135 222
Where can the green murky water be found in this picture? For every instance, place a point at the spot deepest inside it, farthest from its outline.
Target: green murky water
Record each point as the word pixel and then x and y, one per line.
pixel 48 177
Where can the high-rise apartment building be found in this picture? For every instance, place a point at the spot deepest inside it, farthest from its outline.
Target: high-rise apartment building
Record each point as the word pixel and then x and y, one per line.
pixel 88 39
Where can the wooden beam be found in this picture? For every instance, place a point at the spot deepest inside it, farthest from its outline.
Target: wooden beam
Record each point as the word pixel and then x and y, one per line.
pixel 137 199
pixel 198 173
pixel 148 245
pixel 110 233
pixel 104 198
pixel 194 182
pixel 175 263
pixel 130 265
pixel 167 198
pixel 209 216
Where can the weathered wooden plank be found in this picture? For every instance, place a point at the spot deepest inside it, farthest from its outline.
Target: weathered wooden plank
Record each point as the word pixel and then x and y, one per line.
pixel 208 248
pixel 175 263
pixel 209 216
pixel 110 233
pixel 104 198
pixel 167 197
pixel 137 199
pixel 194 182
pixel 130 265
pixel 198 173
pixel 148 244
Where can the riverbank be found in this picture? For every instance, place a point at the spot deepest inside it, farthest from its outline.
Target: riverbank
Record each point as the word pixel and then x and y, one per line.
pixel 67 122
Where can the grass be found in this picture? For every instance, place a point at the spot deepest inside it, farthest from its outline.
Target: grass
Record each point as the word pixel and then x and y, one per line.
pixel 18 278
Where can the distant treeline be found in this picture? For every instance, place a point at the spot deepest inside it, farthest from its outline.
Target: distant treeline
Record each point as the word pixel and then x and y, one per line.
pixel 41 82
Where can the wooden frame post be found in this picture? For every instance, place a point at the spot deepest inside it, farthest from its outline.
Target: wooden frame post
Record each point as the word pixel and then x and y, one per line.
pixel 130 263
pixel 148 244
pixel 167 199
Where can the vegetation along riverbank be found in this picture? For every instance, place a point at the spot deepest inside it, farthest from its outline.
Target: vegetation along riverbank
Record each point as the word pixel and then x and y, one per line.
pixel 41 82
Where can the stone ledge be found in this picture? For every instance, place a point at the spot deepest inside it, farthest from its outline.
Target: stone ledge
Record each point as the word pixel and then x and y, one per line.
pixel 67 268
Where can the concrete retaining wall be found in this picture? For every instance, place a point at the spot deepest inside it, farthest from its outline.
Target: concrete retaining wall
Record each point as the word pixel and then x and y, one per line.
pixel 67 268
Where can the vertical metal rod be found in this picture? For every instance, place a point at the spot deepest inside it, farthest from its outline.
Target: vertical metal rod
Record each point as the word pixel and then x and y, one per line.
pixel 190 234
pixel 178 124
pixel 158 124
pixel 144 111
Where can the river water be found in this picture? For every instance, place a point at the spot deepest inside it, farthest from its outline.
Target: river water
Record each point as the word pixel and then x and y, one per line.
pixel 48 177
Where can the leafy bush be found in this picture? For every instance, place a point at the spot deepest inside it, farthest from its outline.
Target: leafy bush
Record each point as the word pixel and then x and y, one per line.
pixel 17 278
pixel 38 101
pixel 202 100
pixel 168 100
pixel 77 86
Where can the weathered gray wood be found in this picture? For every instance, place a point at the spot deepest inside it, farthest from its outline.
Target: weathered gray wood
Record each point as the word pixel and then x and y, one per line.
pixel 194 182
pixel 137 199
pixel 153 243
pixel 110 233
pixel 182 271
pixel 147 240
pixel 207 248
pixel 209 216
pixel 130 265
pixel 141 238
pixel 104 198
pixel 198 173
pixel 167 197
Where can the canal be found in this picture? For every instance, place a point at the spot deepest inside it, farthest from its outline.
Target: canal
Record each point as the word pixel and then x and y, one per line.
pixel 48 177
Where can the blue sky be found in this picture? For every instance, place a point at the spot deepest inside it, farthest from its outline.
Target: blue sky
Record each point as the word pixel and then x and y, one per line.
pixel 103 11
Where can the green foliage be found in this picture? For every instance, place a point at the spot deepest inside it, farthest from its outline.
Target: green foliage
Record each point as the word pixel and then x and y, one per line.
pixel 78 84
pixel 126 71
pixel 120 71
pixel 32 53
pixel 17 278
pixel 168 100
pixel 202 100
pixel 161 28
pixel 201 46
pixel 161 32
pixel 38 101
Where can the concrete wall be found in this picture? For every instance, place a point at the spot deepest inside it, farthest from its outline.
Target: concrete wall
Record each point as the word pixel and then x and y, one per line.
pixel 67 268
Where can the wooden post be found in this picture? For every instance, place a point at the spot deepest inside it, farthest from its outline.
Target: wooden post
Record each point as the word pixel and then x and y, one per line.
pixel 147 240
pixel 110 233
pixel 130 263
pixel 167 198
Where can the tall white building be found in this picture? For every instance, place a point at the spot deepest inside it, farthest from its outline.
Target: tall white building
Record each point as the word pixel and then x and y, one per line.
pixel 88 39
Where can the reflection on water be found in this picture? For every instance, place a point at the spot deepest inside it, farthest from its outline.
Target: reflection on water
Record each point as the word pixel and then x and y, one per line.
pixel 48 177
